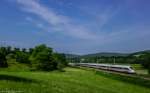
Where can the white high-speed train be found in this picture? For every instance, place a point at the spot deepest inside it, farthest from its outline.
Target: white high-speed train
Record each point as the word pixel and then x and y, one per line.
pixel 118 68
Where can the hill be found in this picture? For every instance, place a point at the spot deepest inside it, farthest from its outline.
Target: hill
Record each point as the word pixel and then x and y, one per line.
pixel 71 55
pixel 140 53
pixel 105 54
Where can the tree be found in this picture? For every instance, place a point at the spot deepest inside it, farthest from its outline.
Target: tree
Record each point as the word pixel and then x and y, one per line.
pixel 145 60
pixel 30 50
pixel 39 58
pixel 9 49
pixel 11 58
pixel 60 59
pixel 149 70
pixel 3 53
pixel 16 50
pixel 42 59
pixel 22 57
pixel 24 50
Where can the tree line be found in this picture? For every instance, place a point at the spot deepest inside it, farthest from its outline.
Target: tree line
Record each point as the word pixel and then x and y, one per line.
pixel 104 59
pixel 143 59
pixel 40 57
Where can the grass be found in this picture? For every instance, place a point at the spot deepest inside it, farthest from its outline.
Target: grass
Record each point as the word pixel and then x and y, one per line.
pixel 16 67
pixel 137 80
pixel 139 69
pixel 73 80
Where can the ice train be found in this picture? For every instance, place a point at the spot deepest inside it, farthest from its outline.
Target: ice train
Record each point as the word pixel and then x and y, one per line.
pixel 110 67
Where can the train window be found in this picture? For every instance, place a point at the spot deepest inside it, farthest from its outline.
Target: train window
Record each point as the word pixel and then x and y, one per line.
pixel 131 67
pixel 126 68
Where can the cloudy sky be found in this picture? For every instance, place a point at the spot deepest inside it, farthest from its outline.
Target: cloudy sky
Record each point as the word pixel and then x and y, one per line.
pixel 76 26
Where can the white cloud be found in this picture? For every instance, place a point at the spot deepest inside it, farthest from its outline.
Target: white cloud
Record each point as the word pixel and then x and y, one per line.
pixel 104 18
pixel 120 38
pixel 29 19
pixel 55 20
pixel 40 25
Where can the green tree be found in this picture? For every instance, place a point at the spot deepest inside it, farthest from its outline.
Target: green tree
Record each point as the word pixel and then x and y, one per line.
pixel 149 70
pixel 9 49
pixel 11 58
pixel 24 50
pixel 42 59
pixel 16 50
pixel 145 60
pixel 60 59
pixel 30 50
pixel 22 57
pixel 3 53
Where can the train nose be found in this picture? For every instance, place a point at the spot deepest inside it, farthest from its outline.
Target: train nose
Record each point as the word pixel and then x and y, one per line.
pixel 132 71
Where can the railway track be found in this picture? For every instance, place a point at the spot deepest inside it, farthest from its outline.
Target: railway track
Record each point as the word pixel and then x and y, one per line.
pixel 114 72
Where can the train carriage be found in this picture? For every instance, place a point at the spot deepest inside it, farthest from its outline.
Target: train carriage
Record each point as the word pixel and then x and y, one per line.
pixel 118 68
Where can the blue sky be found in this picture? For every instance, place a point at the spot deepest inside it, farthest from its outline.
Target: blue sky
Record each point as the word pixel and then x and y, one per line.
pixel 76 26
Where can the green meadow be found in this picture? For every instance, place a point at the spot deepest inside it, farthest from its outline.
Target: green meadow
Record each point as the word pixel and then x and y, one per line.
pixel 72 80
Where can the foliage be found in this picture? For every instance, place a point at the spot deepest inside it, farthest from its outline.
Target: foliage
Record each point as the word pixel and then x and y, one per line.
pixel 22 57
pixel 42 58
pixel 39 58
pixel 3 53
pixel 103 59
pixel 145 60
pixel 149 70
pixel 61 60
